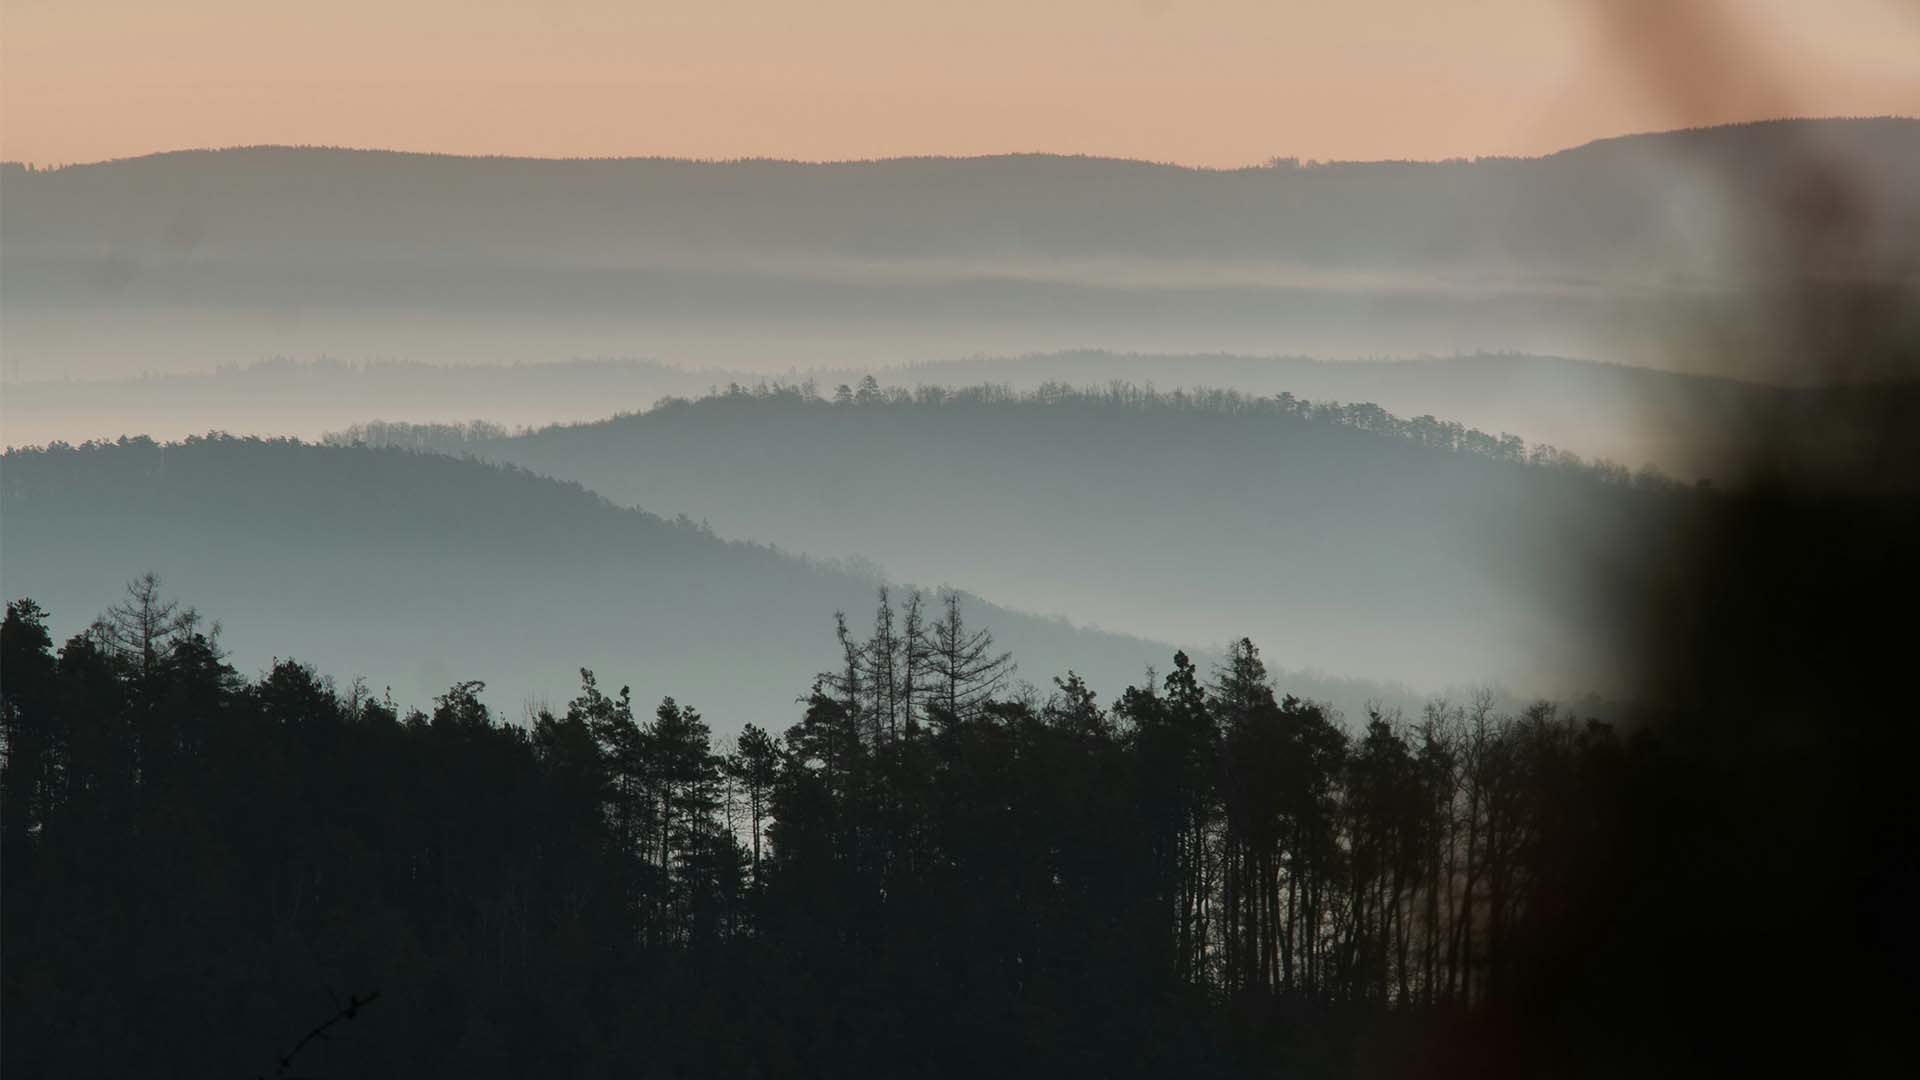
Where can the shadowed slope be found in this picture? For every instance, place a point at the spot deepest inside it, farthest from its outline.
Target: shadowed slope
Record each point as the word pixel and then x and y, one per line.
pixel 417 570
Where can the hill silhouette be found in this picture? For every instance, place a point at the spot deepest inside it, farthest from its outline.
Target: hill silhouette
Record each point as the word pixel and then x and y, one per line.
pixel 1694 427
pixel 1633 415
pixel 418 571
pixel 1345 538
pixel 1617 249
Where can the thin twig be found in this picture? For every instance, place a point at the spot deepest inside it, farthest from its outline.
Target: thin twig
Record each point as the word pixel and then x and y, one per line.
pixel 346 1012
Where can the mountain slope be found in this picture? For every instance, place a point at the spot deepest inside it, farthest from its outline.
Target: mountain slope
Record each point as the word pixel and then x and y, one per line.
pixel 1632 415
pixel 1342 539
pixel 1627 414
pixel 1682 424
pixel 418 570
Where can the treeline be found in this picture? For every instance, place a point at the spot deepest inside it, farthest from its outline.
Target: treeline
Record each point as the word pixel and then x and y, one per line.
pixel 932 871
pixel 1424 431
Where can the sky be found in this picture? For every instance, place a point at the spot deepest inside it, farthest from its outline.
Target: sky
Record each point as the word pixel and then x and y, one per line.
pixel 1218 83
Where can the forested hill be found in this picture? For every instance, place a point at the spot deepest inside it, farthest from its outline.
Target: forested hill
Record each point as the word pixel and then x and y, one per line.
pixel 1631 414
pixel 1342 538
pixel 419 571
pixel 910 874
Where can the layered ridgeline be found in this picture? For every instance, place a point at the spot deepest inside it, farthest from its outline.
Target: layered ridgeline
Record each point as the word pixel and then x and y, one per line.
pixel 1693 427
pixel 418 571
pixel 1634 415
pixel 1621 249
pixel 1340 537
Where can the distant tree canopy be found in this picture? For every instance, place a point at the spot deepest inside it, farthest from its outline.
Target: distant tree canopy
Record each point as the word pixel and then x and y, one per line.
pixel 929 872
pixel 1424 431
pixel 1344 538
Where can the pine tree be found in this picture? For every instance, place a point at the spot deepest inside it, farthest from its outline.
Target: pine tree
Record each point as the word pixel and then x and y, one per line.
pixel 755 765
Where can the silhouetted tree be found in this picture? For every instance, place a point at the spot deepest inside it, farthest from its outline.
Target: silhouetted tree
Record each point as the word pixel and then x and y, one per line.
pixel 966 670
pixel 1026 878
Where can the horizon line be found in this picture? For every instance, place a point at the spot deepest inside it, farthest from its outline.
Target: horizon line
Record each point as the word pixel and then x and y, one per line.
pixel 1271 162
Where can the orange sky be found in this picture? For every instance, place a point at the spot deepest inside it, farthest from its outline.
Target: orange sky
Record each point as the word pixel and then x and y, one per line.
pixel 1205 82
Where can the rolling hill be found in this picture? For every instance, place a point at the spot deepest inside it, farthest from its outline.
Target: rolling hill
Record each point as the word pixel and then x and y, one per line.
pixel 1343 538
pixel 1632 415
pixel 417 570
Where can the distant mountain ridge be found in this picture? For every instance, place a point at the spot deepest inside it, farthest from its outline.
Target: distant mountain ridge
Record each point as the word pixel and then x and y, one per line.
pixel 1614 250
pixel 1516 211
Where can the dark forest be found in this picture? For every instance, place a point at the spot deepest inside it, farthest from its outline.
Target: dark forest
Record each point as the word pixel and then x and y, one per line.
pixel 931 872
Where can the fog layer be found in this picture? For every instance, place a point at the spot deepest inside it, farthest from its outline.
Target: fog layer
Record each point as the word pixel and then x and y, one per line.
pixel 1617 250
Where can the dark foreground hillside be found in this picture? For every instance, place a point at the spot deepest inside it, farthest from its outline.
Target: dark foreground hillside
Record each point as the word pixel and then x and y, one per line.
pixel 914 872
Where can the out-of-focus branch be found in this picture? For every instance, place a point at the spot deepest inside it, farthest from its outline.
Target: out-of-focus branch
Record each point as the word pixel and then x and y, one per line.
pixel 350 1010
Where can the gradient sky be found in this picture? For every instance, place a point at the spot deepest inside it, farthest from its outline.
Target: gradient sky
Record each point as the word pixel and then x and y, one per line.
pixel 1204 82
